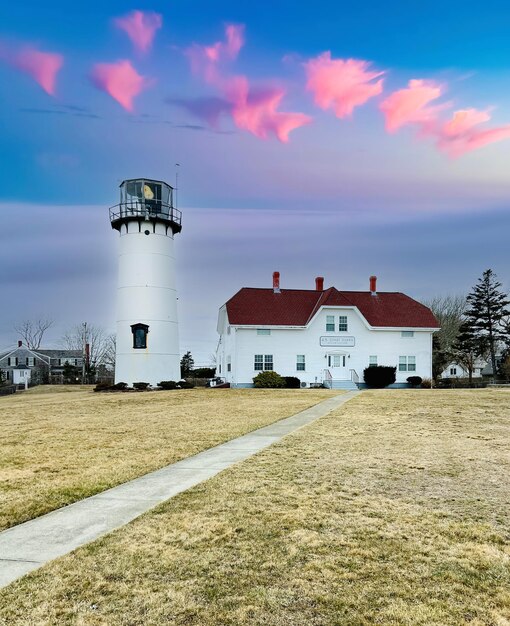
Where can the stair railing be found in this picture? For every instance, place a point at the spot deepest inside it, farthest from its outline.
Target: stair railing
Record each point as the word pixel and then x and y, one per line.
pixel 354 376
pixel 327 379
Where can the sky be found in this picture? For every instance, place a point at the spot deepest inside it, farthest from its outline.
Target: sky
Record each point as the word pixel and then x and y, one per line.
pixel 332 139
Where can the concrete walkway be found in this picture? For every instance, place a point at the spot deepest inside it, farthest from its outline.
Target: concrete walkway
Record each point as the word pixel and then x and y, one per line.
pixel 28 546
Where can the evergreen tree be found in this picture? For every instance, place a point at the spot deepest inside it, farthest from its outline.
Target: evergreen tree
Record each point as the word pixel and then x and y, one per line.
pixel 187 364
pixel 487 310
pixel 467 349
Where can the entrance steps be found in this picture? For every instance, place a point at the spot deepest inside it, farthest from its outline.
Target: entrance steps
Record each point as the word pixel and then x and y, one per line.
pixel 344 384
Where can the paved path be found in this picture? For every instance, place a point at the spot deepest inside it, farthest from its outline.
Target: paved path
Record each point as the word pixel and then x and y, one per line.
pixel 28 546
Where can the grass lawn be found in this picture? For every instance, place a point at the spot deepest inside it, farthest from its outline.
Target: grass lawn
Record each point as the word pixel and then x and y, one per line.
pixel 58 447
pixel 393 510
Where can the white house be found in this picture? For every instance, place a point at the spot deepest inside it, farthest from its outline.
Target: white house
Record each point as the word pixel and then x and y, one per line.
pixel 20 365
pixel 323 335
pixel 456 370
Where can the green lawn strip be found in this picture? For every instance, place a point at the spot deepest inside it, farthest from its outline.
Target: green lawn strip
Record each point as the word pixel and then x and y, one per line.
pixel 392 510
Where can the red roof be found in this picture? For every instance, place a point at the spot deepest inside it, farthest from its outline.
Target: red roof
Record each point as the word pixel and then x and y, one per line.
pixel 296 307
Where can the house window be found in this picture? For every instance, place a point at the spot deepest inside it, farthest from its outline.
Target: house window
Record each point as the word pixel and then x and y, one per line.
pixel 453 371
pixel 263 362
pixel 140 332
pixel 263 331
pixel 342 323
pixel 229 364
pixel 219 368
pixel 372 361
pixel 407 333
pixel 330 323
pixel 407 364
pixel 300 363
pixel 76 362
pixel 12 361
pixel 30 361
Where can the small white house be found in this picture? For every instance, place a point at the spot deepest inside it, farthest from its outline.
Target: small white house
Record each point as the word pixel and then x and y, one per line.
pixel 455 370
pixel 323 335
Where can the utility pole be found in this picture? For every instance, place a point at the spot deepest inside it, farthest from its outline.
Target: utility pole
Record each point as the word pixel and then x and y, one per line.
pixel 84 348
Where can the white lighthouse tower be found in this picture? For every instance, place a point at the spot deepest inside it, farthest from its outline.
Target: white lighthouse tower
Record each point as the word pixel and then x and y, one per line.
pixel 147 331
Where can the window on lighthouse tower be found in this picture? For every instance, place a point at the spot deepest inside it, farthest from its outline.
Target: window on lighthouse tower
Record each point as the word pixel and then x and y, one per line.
pixel 140 332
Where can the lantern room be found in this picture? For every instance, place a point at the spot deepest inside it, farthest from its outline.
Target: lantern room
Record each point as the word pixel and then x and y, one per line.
pixel 146 199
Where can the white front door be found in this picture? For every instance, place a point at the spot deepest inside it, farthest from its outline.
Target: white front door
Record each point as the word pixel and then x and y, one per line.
pixel 337 364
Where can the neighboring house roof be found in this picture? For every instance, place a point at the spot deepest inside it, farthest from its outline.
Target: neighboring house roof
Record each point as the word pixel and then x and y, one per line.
pixel 295 307
pixel 62 354
pixel 41 354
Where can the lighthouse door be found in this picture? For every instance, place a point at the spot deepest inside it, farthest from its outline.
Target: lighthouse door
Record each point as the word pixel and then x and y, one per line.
pixel 337 364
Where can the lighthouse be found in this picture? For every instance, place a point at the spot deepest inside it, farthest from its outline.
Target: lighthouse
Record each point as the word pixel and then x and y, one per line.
pixel 147 348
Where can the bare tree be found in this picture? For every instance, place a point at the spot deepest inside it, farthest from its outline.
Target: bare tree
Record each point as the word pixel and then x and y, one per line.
pixel 449 311
pixel 110 351
pixel 78 336
pixel 32 331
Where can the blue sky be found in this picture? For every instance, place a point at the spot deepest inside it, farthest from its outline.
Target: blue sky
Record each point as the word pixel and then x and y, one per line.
pixel 366 198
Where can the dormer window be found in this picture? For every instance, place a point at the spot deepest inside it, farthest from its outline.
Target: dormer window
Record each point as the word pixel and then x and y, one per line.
pixel 140 332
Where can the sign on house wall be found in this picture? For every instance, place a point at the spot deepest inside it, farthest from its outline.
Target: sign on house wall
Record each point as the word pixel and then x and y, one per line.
pixel 344 342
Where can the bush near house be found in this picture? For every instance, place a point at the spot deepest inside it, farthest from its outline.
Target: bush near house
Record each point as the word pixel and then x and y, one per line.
pixel 292 382
pixel 269 380
pixel 102 387
pixel 414 381
pixel 380 375
pixel 168 385
pixel 140 386
pixel 186 384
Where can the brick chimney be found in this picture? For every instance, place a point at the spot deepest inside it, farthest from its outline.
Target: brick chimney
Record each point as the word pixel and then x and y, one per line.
pixel 373 285
pixel 20 343
pixel 276 282
pixel 319 283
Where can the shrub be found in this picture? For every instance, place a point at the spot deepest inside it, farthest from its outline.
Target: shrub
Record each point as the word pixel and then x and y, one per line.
pixel 426 383
pixel 292 382
pixel 379 375
pixel 119 387
pixel 168 384
pixel 102 387
pixel 269 380
pixel 141 386
pixel 415 381
pixel 185 384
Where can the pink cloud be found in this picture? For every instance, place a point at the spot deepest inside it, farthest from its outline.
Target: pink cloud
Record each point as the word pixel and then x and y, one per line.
pixel 254 111
pixel 461 134
pixel 205 60
pixel 257 112
pixel 341 84
pixel 120 80
pixel 412 105
pixel 43 67
pixel 140 27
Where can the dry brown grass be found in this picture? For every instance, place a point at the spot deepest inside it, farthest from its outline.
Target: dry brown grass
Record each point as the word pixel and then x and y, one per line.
pixel 57 447
pixel 394 510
